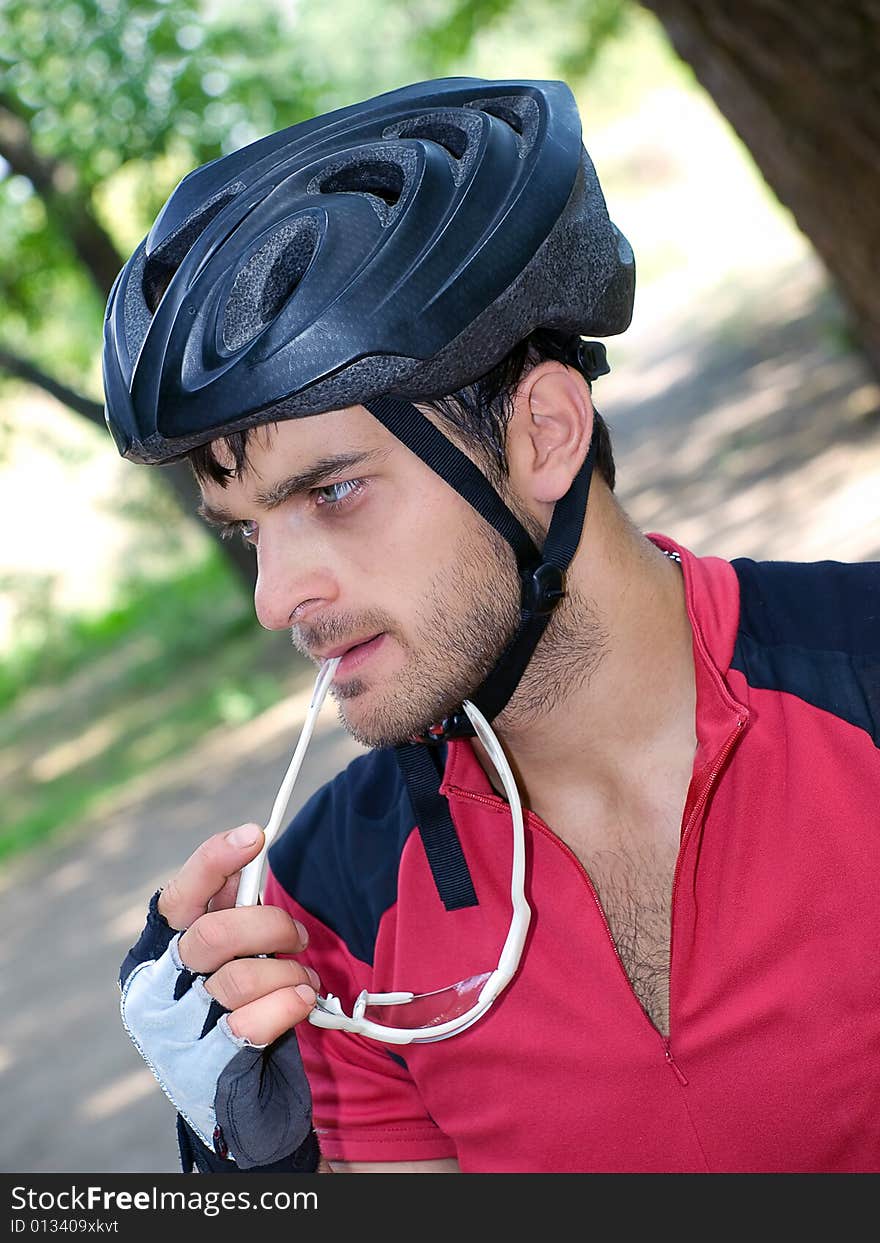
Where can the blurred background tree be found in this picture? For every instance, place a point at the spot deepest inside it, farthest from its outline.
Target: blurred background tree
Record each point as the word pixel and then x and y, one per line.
pixel 102 109
pixel 799 81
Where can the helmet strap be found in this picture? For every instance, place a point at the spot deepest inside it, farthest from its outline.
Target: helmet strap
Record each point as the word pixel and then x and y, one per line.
pixel 542 573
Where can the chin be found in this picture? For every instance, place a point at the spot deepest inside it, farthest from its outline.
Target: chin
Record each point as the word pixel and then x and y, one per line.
pixel 371 735
pixel 382 727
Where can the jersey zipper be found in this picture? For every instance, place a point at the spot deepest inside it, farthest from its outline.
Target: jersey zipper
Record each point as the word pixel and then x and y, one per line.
pixel 720 761
pixel 672 1064
pixel 536 823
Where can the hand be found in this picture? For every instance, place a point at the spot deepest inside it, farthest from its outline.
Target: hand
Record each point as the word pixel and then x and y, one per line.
pixel 265 996
pixel 215 1024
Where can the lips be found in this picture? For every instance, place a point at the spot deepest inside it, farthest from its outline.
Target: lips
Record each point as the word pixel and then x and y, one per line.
pixel 358 655
pixel 344 648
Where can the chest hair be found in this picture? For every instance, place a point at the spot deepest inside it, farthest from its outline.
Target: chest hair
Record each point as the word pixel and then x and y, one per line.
pixel 634 885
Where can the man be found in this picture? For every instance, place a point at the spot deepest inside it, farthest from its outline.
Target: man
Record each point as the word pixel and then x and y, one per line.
pixel 693 985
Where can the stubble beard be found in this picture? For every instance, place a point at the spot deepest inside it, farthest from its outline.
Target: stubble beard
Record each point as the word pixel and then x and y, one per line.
pixel 469 616
pixel 466 619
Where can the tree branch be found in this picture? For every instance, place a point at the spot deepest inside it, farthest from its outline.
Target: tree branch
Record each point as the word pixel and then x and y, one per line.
pixel 24 369
pixel 176 474
pixel 59 187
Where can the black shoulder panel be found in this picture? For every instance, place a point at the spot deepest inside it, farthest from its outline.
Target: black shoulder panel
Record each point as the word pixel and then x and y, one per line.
pixel 339 857
pixel 813 630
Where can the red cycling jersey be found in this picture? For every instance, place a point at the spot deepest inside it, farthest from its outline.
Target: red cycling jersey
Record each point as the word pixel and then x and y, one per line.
pixel 773 1057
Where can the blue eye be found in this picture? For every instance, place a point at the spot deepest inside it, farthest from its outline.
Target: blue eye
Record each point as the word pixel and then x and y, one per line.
pixel 335 495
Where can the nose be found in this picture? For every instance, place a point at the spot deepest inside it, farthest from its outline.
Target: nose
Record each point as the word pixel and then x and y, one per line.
pixel 292 584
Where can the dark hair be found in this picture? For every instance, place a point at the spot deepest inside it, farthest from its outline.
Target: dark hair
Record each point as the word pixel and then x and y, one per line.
pixel 481 411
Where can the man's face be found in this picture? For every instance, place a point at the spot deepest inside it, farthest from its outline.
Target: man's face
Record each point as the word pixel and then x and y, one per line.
pixel 372 543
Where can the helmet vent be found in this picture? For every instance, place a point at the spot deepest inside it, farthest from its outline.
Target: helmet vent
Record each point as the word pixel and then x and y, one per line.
pixel 380 178
pixel 163 262
pixel 263 286
pixel 457 131
pixel 511 118
pixel 452 138
pixel 520 112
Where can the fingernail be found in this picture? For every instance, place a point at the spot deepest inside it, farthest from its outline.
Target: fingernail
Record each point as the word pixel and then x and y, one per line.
pixel 243 836
pixel 314 977
pixel 303 934
pixel 307 994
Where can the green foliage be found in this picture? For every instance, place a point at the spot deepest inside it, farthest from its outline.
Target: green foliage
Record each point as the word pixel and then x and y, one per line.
pixel 178 616
pixel 137 91
pixel 51 311
pixel 120 98
pixel 573 31
pixel 165 704
pixel 103 82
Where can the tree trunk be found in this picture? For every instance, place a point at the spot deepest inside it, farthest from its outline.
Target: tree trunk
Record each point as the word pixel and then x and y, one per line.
pixel 799 81
pixel 57 184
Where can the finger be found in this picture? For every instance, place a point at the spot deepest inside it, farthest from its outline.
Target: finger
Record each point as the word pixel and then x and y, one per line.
pixel 265 1020
pixel 238 983
pixel 206 872
pixel 225 899
pixel 241 932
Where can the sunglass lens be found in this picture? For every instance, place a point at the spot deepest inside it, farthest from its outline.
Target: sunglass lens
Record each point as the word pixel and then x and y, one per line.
pixel 430 1009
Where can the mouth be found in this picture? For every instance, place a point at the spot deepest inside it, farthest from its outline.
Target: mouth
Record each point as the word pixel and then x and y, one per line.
pixel 354 655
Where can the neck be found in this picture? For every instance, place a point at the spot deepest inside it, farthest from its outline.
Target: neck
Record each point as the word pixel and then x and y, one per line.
pixel 608 701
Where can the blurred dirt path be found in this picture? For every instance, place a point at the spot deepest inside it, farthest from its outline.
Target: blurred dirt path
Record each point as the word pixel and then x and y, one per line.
pixel 758 437
pixel 78 1092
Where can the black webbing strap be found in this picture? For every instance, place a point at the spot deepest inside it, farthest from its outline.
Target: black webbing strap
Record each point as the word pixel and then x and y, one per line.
pixel 409 425
pixel 422 769
pixel 542 573
pixel 569 512
pixel 559 548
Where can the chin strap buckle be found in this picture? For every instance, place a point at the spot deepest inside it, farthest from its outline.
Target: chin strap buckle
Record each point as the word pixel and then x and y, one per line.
pixel 542 589
pixel 456 725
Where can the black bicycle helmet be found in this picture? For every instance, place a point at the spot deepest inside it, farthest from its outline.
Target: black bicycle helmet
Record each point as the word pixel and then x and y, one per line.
pixel 387 252
pixel 402 245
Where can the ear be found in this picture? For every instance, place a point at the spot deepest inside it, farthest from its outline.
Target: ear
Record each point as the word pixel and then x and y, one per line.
pixel 549 432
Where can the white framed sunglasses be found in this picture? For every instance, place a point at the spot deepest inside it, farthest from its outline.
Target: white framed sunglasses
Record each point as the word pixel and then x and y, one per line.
pixel 403 1017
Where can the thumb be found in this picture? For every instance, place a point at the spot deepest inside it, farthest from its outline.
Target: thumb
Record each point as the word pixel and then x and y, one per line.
pixel 206 872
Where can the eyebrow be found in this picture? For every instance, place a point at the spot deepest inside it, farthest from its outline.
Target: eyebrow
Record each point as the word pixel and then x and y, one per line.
pixel 295 485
